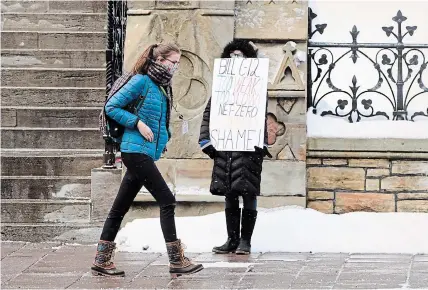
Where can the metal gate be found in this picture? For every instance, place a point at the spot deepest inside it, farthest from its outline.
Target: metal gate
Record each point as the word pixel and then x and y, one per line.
pixel 396 65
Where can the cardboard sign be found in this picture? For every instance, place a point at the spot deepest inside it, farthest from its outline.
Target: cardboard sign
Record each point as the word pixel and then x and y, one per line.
pixel 238 103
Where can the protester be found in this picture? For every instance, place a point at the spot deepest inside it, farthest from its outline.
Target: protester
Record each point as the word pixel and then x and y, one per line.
pixel 144 140
pixel 235 174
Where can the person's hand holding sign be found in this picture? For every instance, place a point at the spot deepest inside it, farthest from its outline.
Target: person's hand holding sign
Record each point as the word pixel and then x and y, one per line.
pixel 263 152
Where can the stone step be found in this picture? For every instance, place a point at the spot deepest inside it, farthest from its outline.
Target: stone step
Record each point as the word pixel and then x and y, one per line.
pixel 45 163
pixel 45 211
pixel 46 232
pixel 53 97
pixel 45 187
pixel 51 138
pixel 53 58
pixel 54 22
pixel 41 77
pixel 38 6
pixel 50 117
pixel 53 40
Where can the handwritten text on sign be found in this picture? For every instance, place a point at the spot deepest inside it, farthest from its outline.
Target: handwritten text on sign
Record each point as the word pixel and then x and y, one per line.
pixel 238 103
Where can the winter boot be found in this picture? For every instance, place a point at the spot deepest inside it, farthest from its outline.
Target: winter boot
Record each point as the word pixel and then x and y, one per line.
pixel 249 217
pixel 233 220
pixel 103 264
pixel 178 263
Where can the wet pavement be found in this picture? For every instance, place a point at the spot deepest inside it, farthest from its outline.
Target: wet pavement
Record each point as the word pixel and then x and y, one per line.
pixel 57 266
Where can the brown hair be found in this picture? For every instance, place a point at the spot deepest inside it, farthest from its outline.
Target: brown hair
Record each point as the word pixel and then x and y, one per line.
pixel 153 52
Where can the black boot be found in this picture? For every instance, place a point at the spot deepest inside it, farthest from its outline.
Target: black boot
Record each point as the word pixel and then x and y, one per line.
pixel 249 218
pixel 178 263
pixel 103 264
pixel 233 220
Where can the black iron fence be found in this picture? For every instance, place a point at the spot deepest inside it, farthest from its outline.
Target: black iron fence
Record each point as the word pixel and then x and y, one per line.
pixel 399 66
pixel 116 30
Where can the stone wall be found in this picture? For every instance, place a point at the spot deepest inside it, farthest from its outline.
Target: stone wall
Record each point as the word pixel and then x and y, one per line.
pixel 366 175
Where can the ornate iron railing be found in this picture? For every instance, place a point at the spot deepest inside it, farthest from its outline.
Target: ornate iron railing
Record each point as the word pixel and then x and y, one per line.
pixel 116 31
pixel 395 64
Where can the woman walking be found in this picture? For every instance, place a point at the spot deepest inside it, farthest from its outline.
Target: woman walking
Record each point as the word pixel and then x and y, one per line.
pixel 144 140
pixel 235 174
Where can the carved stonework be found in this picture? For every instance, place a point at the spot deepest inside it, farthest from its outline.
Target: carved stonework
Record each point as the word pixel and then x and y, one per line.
pixel 288 76
pixel 267 19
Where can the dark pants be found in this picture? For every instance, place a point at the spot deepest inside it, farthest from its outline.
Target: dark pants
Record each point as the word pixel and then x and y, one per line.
pixel 141 171
pixel 250 202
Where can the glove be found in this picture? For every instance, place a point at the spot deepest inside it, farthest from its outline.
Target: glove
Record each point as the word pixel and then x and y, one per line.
pixel 263 152
pixel 210 151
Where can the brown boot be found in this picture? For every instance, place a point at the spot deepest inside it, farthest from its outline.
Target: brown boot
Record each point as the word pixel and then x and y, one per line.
pixel 179 264
pixel 103 264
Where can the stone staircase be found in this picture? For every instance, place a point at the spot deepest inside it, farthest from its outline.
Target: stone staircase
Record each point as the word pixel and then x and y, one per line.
pixel 53 86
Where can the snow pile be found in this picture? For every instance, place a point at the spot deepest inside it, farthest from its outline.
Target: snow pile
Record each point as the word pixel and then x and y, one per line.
pixel 291 229
pixel 331 127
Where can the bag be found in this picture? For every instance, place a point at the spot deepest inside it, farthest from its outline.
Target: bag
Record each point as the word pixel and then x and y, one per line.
pixel 108 126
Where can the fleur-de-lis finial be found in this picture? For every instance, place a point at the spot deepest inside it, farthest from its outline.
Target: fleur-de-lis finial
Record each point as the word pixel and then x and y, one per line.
pixel 399 18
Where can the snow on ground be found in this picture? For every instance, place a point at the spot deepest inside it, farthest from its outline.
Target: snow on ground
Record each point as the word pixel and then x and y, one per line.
pixel 333 127
pixel 291 229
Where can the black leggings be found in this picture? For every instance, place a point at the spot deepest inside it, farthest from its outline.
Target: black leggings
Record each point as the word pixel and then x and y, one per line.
pixel 141 171
pixel 250 202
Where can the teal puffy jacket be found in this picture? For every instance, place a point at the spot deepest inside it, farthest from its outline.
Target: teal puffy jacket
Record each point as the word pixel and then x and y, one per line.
pixel 153 112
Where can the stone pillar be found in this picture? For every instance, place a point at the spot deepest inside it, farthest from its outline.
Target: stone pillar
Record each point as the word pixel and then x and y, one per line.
pixel 105 184
pixel 279 30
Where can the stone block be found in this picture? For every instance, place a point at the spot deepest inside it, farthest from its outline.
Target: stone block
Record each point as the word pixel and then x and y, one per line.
pixel 217 4
pixel 412 206
pixel 105 185
pixel 41 211
pixel 45 188
pixel 21 40
pixel 8 118
pixel 413 195
pixel 400 183
pixel 372 184
pixel 335 162
pixel 9 6
pixel 369 163
pixel 336 178
pixel 51 118
pixel 288 110
pixel 55 22
pixel 53 97
pixel 321 206
pixel 292 144
pixel 15 77
pixel 48 59
pixel 71 40
pixel 410 167
pixel 378 172
pixel 86 6
pixel 313 161
pixel 141 5
pixel 193 176
pixel 51 138
pixel 30 164
pixel 317 195
pixel 177 4
pixel 279 20
pixel 275 183
pixel 368 202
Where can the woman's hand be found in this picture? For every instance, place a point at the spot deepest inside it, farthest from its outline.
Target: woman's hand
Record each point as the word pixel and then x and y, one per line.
pixel 145 131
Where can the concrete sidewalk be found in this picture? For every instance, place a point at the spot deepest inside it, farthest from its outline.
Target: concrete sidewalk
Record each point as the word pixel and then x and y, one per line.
pixel 57 266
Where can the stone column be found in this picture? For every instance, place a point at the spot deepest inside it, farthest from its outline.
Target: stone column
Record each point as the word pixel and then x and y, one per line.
pixel 279 30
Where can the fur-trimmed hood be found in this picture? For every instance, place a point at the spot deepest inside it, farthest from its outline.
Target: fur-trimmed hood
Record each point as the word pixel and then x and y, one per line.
pixel 239 44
